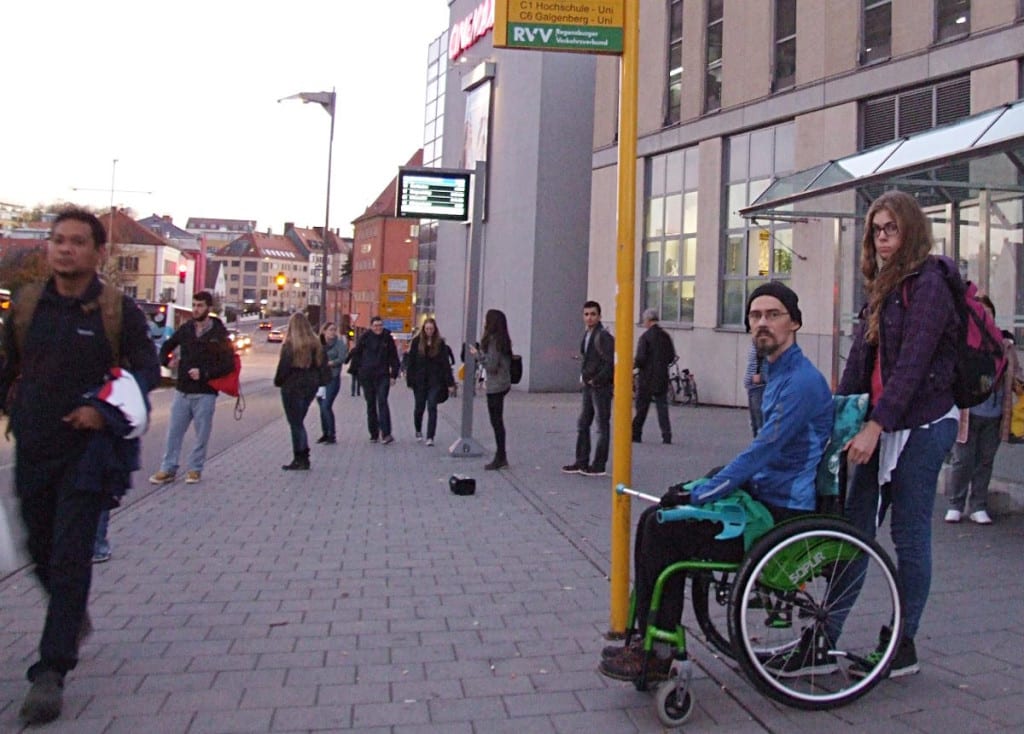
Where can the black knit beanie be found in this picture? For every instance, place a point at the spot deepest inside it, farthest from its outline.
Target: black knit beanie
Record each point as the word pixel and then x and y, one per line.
pixel 778 290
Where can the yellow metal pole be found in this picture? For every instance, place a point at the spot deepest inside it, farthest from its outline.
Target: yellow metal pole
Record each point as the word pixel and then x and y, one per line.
pixel 622 457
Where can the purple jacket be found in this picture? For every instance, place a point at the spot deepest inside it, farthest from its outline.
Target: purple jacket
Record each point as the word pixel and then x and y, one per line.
pixel 918 349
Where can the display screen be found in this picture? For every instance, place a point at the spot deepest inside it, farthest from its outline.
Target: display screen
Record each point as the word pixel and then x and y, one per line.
pixel 433 193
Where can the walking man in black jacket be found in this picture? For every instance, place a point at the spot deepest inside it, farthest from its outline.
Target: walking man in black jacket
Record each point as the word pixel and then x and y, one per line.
pixel 597 350
pixel 205 353
pixel 73 458
pixel 376 366
pixel 654 353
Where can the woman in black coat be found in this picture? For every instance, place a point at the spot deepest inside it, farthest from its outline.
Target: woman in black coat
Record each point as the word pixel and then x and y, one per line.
pixel 429 374
pixel 301 370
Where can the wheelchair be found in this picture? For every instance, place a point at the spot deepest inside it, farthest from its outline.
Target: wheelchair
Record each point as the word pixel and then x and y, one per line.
pixel 814 579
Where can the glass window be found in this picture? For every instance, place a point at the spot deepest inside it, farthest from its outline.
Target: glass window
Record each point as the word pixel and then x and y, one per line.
pixel 785 44
pixel 669 264
pixel 675 61
pixel 713 53
pixel 876 34
pixel 952 19
pixel 753 254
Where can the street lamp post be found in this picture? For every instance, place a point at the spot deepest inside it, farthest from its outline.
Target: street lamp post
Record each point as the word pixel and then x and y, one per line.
pixel 327 101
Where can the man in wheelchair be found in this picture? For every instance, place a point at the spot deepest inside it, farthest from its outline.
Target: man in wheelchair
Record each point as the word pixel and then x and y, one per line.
pixel 777 469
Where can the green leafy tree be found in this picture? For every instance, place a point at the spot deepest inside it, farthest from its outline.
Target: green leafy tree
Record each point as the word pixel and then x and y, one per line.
pixel 23 265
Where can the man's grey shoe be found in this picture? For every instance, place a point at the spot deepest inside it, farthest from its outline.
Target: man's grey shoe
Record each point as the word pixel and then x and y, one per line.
pixel 43 702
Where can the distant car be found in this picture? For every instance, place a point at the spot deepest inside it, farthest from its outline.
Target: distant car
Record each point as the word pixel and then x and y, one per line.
pixel 266 325
pixel 239 341
pixel 275 335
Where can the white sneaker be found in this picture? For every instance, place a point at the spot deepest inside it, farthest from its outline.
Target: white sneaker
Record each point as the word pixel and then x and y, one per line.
pixel 953 515
pixel 430 442
pixel 981 517
pixel 419 437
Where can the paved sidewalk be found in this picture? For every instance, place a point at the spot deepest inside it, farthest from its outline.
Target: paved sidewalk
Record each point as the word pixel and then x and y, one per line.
pixel 363 596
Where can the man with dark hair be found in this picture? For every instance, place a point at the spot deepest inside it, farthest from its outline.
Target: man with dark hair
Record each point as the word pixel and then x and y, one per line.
pixel 204 353
pixel 654 353
pixel 75 451
pixel 376 366
pixel 597 350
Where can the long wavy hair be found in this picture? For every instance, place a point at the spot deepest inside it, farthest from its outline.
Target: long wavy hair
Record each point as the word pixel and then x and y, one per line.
pixel 496 333
pixel 430 346
pixel 303 342
pixel 880 279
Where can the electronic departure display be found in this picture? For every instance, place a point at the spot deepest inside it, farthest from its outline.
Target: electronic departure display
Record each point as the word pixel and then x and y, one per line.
pixel 433 193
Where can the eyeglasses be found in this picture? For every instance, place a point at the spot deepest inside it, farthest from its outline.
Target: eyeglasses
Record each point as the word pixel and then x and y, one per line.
pixel 769 316
pixel 890 229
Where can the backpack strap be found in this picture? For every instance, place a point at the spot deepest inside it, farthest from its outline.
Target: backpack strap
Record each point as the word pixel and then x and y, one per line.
pixel 24 309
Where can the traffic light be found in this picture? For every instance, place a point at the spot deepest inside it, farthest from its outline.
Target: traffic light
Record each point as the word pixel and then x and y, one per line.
pixel 281 280
pixel 182 272
pixel 351 333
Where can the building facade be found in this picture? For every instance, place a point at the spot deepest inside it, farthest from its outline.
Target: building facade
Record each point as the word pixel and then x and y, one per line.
pixel 249 266
pixel 734 95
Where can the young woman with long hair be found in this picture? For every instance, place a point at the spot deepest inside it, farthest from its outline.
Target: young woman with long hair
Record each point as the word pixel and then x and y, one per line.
pixel 301 369
pixel 495 353
pixel 428 373
pixel 903 355
pixel 336 350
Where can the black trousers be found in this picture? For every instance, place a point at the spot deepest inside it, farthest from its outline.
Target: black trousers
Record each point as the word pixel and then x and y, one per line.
pixel 61 522
pixel 643 403
pixel 496 413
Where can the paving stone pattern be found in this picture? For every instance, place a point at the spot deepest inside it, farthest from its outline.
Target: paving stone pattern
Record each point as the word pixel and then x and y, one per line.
pixel 363 596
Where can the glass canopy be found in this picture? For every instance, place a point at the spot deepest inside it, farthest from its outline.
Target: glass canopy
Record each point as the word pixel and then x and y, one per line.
pixel 950 163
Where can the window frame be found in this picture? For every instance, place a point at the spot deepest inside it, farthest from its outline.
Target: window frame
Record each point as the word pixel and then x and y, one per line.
pixel 781 83
pixel 868 56
pixel 713 67
pixel 673 111
pixel 950 11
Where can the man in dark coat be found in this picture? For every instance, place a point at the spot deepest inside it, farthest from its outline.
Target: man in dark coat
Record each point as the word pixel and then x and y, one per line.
pixel 72 458
pixel 597 351
pixel 654 353
pixel 376 366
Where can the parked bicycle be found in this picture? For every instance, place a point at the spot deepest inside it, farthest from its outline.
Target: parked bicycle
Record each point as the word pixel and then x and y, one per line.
pixel 682 385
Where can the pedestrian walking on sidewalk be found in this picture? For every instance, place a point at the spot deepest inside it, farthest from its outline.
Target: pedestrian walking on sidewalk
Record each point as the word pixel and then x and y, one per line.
pixel 597 350
pixel 429 373
pixel 205 352
pixel 982 429
pixel 654 353
pixel 336 350
pixel 376 366
pixel 73 457
pixel 904 353
pixel 301 370
pixel 495 353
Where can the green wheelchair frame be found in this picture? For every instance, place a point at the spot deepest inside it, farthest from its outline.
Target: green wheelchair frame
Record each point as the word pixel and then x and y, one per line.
pixel 813 578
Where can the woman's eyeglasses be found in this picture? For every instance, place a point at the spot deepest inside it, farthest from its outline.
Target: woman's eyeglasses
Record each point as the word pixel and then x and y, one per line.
pixel 890 229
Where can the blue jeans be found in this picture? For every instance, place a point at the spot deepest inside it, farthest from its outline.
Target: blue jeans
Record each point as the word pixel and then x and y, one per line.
pixel 596 400
pixel 425 398
pixel 189 408
pixel 101 546
pixel 378 414
pixel 911 497
pixel 326 405
pixel 296 405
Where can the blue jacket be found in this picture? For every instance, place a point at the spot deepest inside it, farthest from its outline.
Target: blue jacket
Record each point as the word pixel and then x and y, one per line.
pixel 780 465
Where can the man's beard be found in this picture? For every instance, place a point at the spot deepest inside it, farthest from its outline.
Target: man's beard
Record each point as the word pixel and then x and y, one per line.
pixel 201 318
pixel 765 349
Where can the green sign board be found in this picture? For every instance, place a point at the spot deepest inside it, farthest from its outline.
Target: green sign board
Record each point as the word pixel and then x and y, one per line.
pixel 559 25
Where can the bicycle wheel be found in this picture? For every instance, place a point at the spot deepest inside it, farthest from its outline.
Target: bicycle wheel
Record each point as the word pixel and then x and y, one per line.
pixel 809 602
pixel 674 390
pixel 710 592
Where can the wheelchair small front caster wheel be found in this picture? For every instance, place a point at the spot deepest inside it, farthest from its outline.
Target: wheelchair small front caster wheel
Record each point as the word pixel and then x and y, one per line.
pixel 674 704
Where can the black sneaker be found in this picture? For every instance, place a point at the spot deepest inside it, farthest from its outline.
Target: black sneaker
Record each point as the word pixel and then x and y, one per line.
pixel 811 657
pixel 573 468
pixel 904 662
pixel 43 702
pixel 593 471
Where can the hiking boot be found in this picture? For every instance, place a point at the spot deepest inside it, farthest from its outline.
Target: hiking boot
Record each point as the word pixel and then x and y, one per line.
pixel 904 662
pixel 613 651
pixel 628 664
pixel 573 468
pixel 810 657
pixel 300 462
pixel 162 477
pixel 43 702
pixel 193 477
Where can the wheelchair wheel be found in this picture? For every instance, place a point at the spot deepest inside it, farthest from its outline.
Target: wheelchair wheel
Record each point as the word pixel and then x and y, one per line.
pixel 710 592
pixel 673 709
pixel 810 602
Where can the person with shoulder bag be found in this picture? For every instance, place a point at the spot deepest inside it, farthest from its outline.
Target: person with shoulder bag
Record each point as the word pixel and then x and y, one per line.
pixel 429 375
pixel 301 370
pixel 495 352
pixel 336 350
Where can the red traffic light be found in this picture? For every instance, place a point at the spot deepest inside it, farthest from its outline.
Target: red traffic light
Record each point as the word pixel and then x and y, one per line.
pixel 182 272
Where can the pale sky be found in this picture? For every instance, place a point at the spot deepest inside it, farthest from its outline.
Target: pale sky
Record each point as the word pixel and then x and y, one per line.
pixel 184 95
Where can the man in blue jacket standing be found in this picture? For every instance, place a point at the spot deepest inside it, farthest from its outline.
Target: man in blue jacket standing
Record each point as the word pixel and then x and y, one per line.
pixel 777 469
pixel 73 459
